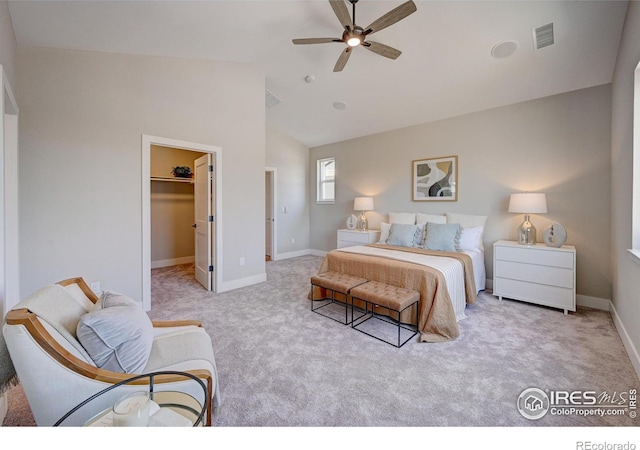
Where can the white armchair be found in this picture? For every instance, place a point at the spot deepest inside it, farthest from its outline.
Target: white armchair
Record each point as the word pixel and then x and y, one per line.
pixel 57 373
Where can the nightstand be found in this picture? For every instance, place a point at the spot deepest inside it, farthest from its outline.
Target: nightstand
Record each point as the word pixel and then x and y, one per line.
pixel 535 274
pixel 348 238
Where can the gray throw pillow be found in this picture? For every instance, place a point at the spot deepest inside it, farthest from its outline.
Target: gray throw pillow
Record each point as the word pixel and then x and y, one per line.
pixel 441 236
pixel 117 334
pixel 404 235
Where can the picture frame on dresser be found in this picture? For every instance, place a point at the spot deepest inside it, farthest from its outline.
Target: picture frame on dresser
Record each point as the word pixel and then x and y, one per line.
pixel 435 179
pixel 536 274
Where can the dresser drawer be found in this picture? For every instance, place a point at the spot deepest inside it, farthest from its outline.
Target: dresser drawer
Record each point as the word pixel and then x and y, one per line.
pixel 348 238
pixel 541 257
pixel 541 294
pixel 354 236
pixel 553 276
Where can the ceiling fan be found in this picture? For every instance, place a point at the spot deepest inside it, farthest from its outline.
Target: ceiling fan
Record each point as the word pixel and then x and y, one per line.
pixel 354 35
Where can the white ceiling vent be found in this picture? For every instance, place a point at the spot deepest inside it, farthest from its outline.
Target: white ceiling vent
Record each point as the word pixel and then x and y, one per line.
pixel 543 36
pixel 271 100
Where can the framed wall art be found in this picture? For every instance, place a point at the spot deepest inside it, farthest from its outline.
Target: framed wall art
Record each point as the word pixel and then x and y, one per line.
pixel 435 179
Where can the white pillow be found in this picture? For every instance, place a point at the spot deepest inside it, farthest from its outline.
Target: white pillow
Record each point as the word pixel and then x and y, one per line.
pixel 433 218
pixel 469 221
pixel 404 234
pixel 406 218
pixel 384 232
pixel 470 238
pixel 117 334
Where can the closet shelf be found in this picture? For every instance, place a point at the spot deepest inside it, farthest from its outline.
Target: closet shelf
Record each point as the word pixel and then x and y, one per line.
pixel 173 179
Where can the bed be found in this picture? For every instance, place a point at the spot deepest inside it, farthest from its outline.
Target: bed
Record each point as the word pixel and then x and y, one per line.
pixel 447 280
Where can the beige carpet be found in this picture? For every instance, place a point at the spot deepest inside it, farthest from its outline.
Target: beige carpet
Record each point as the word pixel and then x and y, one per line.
pixel 282 365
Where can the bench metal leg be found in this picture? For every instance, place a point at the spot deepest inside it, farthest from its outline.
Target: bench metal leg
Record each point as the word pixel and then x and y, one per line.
pixel 399 324
pixel 332 300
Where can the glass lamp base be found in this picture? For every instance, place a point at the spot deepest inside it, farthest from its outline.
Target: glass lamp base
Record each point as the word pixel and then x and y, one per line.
pixel 363 223
pixel 527 232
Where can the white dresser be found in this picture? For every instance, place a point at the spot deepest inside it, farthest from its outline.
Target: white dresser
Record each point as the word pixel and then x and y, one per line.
pixel 349 238
pixel 535 273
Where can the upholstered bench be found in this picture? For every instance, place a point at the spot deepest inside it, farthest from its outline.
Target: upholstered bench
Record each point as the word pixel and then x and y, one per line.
pixel 335 282
pixel 393 298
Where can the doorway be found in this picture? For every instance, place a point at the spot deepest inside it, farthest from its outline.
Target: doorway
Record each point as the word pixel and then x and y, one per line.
pixel 9 252
pixel 172 206
pixel 215 248
pixel 9 255
pixel 271 210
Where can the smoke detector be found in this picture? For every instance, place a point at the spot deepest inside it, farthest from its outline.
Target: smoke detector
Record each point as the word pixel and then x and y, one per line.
pixel 340 106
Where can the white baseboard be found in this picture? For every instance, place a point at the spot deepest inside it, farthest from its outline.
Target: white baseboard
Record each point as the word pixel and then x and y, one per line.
pixel 593 302
pixel 242 282
pixel 318 253
pixel 3 407
pixel 489 284
pixel 632 351
pixel 295 254
pixel 172 262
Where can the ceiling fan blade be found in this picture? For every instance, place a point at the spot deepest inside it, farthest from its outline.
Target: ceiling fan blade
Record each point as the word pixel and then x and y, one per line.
pixel 342 13
pixel 342 60
pixel 315 40
pixel 391 17
pixel 383 50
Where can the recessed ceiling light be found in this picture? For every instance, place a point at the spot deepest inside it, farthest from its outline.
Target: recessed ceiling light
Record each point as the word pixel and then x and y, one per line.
pixel 340 105
pixel 504 49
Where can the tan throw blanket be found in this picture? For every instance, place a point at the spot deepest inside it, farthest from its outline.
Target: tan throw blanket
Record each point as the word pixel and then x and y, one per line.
pixel 436 319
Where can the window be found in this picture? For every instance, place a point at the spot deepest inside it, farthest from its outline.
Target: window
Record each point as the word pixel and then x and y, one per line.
pixel 326 180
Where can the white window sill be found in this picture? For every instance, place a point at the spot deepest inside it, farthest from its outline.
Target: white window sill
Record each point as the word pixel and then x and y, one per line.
pixel 634 253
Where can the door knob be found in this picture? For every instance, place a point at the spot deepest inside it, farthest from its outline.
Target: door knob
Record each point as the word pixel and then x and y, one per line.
pixel 193 226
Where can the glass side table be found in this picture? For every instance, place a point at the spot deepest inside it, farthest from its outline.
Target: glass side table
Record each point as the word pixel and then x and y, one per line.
pixel 171 408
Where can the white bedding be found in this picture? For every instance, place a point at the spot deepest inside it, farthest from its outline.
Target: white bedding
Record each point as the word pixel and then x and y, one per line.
pixel 479 271
pixel 451 268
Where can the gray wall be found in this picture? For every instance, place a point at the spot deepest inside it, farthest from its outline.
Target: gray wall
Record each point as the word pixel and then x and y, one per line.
pixel 626 272
pixel 559 145
pixel 7 44
pixel 291 160
pixel 81 120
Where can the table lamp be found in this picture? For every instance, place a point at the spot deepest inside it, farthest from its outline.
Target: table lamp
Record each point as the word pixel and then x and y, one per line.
pixel 363 204
pixel 527 203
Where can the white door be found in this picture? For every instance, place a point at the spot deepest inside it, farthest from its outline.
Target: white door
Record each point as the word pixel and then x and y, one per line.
pixel 204 221
pixel 268 212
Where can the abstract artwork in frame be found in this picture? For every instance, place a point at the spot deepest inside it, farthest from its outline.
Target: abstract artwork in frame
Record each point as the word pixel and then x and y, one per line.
pixel 435 179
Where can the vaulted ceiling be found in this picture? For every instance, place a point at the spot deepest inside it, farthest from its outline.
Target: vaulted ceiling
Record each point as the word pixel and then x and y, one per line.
pixel 446 67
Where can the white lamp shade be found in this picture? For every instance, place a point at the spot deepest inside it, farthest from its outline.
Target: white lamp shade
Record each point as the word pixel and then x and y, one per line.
pixel 528 203
pixel 363 204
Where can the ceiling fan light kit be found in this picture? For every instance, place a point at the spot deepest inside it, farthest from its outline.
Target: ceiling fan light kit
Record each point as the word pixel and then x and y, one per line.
pixel 354 36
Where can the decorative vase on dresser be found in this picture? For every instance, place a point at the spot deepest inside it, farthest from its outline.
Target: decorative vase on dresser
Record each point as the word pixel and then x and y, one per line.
pixel 348 238
pixel 535 273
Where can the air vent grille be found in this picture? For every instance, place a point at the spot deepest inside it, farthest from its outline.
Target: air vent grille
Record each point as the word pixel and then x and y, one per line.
pixel 543 36
pixel 271 100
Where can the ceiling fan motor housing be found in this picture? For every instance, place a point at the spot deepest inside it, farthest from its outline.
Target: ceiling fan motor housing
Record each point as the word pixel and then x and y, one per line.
pixel 357 34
